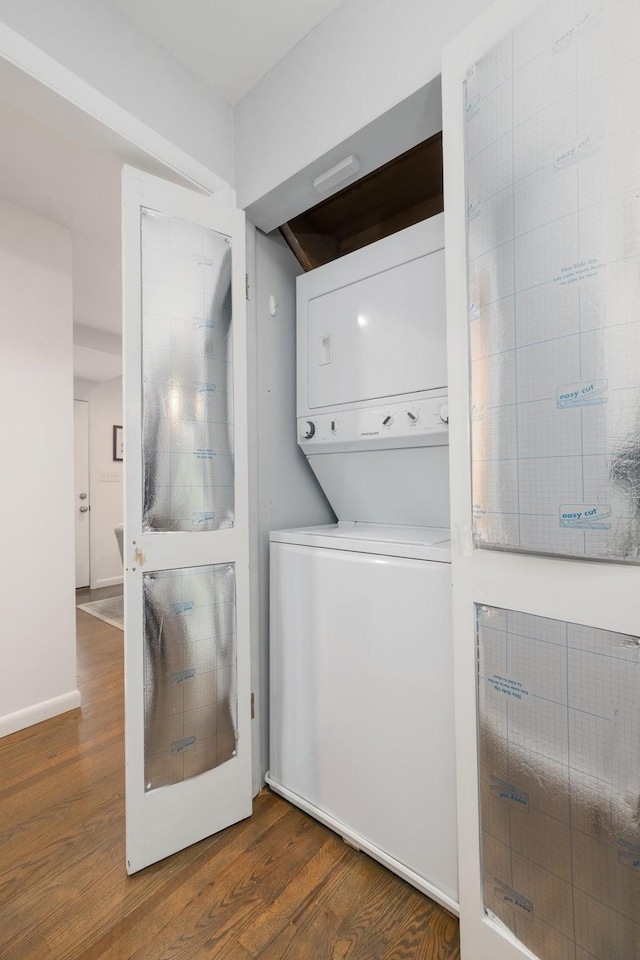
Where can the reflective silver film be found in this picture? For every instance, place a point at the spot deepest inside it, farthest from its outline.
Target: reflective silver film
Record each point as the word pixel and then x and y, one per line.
pixel 552 142
pixel 559 733
pixel 187 376
pixel 189 672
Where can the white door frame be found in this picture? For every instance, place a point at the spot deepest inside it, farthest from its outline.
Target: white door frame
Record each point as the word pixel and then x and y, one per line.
pixel 82 520
pixel 89 111
pixel 592 593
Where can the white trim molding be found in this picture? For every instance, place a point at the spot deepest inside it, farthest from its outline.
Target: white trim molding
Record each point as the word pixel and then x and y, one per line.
pixel 135 136
pixel 38 712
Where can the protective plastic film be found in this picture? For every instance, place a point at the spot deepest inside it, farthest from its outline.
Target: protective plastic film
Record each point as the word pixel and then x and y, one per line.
pixel 190 672
pixel 559 733
pixel 552 144
pixel 187 376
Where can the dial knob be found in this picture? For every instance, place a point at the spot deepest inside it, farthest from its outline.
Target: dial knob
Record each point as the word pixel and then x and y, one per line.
pixel 444 413
pixel 308 430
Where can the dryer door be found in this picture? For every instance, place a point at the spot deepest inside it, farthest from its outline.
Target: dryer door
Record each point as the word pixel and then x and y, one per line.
pixel 380 336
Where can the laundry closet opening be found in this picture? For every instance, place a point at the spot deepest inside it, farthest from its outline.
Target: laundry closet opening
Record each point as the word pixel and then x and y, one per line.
pixel 396 195
pixel 353 516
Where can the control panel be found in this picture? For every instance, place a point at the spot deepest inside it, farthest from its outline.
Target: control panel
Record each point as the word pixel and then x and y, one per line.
pixel 421 423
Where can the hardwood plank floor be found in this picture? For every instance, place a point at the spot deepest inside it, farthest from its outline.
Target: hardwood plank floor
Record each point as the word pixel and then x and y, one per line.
pixel 278 886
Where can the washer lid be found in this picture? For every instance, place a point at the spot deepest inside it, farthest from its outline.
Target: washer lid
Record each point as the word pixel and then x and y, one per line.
pixel 419 543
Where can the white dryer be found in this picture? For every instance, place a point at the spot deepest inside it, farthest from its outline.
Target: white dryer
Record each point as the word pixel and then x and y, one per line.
pixel 372 379
pixel 360 638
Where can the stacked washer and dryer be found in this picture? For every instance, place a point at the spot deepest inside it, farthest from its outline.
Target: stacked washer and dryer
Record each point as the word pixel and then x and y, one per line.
pixel 361 655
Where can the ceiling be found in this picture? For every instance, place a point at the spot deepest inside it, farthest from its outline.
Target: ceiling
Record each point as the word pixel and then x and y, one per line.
pixel 230 44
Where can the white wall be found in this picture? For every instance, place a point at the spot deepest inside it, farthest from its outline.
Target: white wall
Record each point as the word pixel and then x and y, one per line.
pixel 82 388
pixel 285 491
pixel 99 43
pixel 97 355
pixel 106 496
pixel 363 59
pixel 37 636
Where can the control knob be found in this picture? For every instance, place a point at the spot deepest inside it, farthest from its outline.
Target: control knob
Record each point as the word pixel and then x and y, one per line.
pixel 308 430
pixel 444 413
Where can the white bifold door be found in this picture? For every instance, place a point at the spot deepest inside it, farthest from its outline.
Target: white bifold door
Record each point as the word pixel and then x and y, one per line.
pixel 187 688
pixel 542 237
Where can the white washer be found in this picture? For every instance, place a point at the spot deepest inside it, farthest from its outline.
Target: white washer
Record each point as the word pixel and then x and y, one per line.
pixel 362 692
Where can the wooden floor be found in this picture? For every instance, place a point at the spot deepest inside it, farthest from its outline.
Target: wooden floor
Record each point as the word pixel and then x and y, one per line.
pixel 278 886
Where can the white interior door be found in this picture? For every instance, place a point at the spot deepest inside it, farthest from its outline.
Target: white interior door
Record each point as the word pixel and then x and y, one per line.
pixel 81 492
pixel 187 691
pixel 542 261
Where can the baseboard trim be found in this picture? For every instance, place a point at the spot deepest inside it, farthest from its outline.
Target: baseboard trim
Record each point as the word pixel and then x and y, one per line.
pixel 45 710
pixel 107 582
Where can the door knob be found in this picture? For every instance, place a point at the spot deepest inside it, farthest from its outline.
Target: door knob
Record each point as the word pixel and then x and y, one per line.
pixel 84 509
pixel 82 496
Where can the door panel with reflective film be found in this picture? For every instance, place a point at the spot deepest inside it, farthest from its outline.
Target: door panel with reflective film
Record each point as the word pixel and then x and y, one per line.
pixel 187 373
pixel 188 724
pixel 191 710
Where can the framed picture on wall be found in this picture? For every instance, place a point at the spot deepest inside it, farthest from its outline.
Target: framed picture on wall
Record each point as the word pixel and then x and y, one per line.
pixel 118 445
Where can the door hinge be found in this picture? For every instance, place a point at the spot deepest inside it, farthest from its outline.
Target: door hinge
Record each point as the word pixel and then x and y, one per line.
pixel 246 285
pixel 253 706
